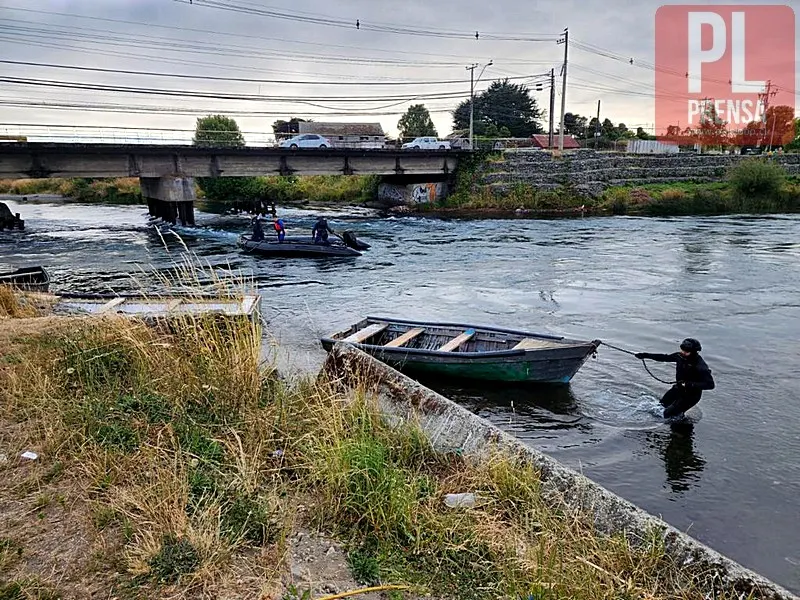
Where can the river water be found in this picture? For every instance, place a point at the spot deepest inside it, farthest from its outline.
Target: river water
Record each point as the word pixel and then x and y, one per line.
pixel 731 478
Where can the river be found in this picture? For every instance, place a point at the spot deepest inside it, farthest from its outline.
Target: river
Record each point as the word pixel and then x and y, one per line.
pixel 731 478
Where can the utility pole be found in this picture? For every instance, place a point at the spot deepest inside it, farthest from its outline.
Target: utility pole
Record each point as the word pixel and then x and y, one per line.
pixel 564 41
pixel 552 105
pixel 597 124
pixel 471 68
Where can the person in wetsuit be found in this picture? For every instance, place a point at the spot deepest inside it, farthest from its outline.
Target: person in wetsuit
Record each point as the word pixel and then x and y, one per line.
pixel 320 231
pixel 692 376
pixel 258 230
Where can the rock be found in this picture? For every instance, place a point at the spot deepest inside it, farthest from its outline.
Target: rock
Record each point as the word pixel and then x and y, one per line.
pixel 331 551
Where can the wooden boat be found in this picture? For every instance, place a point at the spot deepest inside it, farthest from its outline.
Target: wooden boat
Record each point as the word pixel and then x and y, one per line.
pixel 467 351
pixel 34 279
pixel 154 307
pixel 299 247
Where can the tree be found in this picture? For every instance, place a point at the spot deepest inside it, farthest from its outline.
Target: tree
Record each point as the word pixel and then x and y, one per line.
pixel 643 135
pixel 504 104
pixel 576 125
pixel 713 129
pixel 217 131
pixel 780 125
pixel 416 123
pixel 288 128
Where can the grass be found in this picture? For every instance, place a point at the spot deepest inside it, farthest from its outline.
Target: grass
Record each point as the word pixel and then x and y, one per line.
pixel 167 435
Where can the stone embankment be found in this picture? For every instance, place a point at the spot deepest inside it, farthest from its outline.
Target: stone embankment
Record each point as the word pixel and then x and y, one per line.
pixel 590 172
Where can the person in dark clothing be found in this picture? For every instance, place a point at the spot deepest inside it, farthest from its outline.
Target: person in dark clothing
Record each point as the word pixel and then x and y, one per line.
pixel 692 376
pixel 320 231
pixel 258 230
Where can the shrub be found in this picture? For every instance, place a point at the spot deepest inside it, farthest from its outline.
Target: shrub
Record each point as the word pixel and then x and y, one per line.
pixel 757 177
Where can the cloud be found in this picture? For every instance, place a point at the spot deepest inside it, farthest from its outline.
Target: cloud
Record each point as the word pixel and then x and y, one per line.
pixel 194 39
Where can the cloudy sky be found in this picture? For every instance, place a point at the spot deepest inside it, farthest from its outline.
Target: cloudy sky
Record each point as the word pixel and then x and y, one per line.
pixel 306 58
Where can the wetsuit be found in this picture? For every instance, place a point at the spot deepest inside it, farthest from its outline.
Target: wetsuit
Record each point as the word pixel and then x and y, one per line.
pixel 320 232
pixel 692 375
pixel 258 231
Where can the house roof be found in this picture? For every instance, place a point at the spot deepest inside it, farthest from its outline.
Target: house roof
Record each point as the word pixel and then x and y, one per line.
pixel 332 129
pixel 543 141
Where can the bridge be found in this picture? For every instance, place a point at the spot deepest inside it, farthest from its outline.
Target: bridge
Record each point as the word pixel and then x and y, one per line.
pixel 35 160
pixel 166 172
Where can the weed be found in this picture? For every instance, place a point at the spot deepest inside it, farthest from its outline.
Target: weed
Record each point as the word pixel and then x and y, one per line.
pixel 294 594
pixel 364 565
pixel 177 557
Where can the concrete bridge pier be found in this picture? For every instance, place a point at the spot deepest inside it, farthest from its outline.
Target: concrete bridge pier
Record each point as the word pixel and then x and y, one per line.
pixel 170 198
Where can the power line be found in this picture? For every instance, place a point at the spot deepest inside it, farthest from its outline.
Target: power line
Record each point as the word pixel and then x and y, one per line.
pixel 245 80
pixel 316 19
pixel 237 35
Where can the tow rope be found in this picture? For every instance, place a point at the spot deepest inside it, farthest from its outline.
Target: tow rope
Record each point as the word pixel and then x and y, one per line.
pixel 644 364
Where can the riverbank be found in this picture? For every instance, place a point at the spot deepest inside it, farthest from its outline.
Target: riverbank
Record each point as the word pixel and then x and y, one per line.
pixel 171 463
pixel 330 189
pixel 497 187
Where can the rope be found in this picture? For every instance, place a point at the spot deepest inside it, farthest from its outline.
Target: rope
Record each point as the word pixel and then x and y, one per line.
pixel 644 364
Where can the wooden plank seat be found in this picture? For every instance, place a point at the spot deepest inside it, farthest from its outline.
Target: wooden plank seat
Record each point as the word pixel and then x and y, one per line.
pixel 361 336
pixel 533 343
pixel 405 338
pixel 457 341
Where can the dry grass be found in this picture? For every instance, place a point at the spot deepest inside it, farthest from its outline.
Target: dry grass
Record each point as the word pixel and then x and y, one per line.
pixel 173 463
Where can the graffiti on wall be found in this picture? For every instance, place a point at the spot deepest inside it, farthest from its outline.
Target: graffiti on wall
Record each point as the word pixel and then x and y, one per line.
pixel 424 193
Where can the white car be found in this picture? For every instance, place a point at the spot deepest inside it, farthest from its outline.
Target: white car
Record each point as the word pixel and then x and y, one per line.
pixel 427 143
pixel 306 140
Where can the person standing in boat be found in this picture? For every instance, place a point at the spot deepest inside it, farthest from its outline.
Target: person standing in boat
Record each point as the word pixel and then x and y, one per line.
pixel 692 376
pixel 258 230
pixel 320 231
pixel 280 229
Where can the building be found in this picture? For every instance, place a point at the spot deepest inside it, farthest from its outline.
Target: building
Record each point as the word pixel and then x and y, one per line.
pixel 651 147
pixel 347 135
pixel 542 140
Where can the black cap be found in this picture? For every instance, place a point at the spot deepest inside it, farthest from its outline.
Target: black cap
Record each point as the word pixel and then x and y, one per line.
pixel 691 345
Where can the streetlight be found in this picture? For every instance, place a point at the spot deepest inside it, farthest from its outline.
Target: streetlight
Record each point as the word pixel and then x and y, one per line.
pixel 472 83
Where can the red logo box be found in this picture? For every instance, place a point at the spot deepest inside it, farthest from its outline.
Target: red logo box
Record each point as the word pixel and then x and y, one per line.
pixel 725 74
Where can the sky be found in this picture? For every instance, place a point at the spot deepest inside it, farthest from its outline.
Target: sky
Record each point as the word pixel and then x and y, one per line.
pixel 307 59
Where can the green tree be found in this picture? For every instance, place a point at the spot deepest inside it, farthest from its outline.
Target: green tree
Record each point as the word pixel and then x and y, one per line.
pixel 504 104
pixel 218 131
pixel 576 125
pixel 288 128
pixel 643 135
pixel 416 123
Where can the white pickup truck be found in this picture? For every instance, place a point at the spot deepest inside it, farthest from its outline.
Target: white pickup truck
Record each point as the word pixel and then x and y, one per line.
pixel 427 143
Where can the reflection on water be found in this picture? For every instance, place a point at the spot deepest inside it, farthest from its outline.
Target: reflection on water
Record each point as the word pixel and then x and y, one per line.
pixel 682 464
pixel 644 284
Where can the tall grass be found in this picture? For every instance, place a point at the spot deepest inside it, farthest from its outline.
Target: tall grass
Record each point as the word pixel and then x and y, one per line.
pixel 193 455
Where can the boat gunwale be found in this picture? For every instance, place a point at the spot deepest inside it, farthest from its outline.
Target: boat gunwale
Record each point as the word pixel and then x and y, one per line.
pixel 587 345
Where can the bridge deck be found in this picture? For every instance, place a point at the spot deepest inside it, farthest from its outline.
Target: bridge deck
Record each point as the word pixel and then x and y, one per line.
pixel 32 160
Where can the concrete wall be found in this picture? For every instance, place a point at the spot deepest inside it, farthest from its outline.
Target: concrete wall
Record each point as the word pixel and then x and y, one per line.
pixel 451 427
pixel 591 172
pixel 392 194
